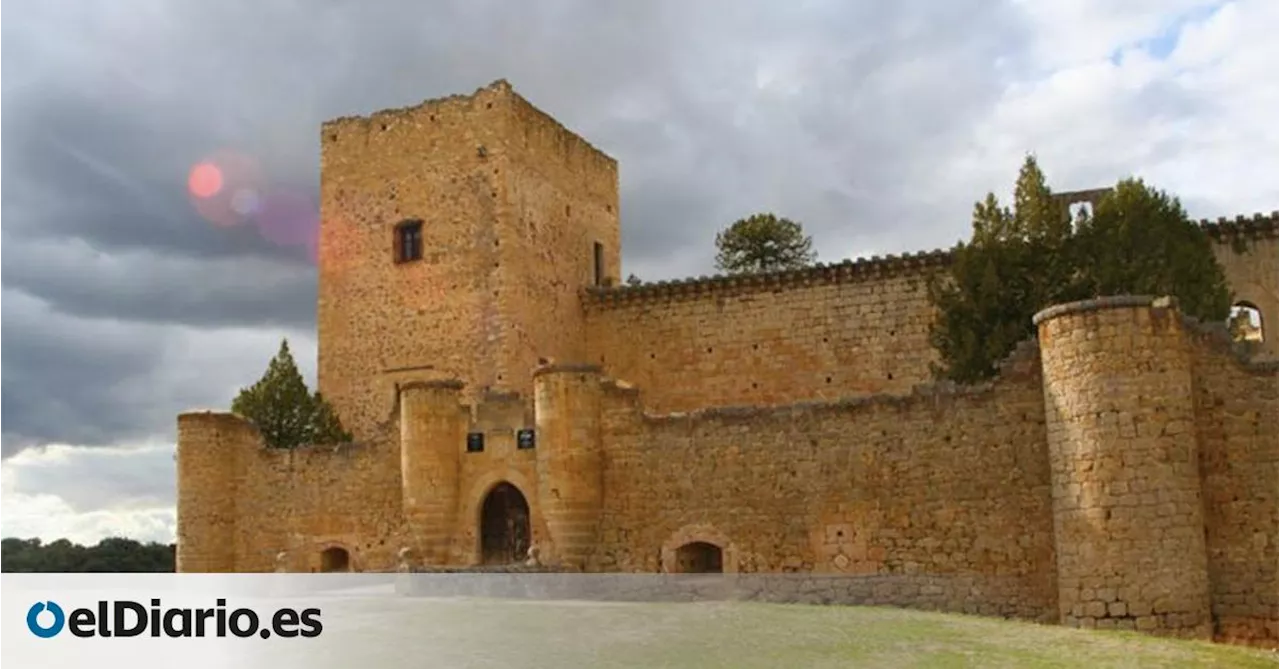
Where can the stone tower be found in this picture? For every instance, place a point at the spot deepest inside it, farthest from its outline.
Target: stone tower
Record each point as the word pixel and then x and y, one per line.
pixel 455 239
pixel 1127 502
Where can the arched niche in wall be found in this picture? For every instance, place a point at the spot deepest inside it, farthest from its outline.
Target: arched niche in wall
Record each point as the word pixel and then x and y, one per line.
pixel 699 548
pixel 1246 323
pixel 336 558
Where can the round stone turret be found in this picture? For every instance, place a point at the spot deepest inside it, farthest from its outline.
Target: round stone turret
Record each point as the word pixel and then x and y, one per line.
pixel 1128 515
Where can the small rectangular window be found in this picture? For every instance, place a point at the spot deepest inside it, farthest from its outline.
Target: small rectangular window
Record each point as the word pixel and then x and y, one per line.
pixel 599 260
pixel 408 241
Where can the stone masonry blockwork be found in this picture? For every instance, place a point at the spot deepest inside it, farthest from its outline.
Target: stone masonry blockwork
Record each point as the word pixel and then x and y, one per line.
pixel 1128 513
pixel 514 406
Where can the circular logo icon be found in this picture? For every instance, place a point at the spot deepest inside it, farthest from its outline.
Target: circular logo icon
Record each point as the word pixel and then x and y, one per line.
pixel 45 631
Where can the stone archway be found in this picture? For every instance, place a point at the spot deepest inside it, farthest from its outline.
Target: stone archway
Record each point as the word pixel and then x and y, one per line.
pixel 505 528
pixel 699 549
pixel 335 559
pixel 1245 323
pixel 699 557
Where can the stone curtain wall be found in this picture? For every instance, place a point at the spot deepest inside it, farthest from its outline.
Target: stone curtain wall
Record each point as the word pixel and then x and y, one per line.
pixel 857 328
pixel 241 504
pixel 939 499
pixel 1236 411
pixel 849 329
pixel 305 500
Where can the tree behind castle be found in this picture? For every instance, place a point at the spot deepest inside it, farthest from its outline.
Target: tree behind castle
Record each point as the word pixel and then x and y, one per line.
pixel 1139 241
pixel 284 411
pixel 763 243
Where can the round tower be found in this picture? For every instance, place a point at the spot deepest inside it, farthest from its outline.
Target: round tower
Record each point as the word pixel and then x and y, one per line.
pixel 208 457
pixel 1128 517
pixel 433 427
pixel 570 462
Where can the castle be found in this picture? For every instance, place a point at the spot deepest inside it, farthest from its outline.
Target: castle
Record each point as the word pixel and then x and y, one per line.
pixel 506 391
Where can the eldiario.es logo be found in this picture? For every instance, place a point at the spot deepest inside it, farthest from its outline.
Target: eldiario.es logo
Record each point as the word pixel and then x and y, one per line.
pixel 125 618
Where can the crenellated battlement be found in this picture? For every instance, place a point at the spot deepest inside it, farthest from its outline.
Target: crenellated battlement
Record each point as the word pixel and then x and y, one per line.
pixel 860 270
pixel 1257 226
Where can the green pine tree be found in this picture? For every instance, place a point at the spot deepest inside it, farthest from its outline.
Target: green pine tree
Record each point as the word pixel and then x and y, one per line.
pixel 1017 262
pixel 763 243
pixel 1021 260
pixel 286 413
pixel 325 426
pixel 1139 241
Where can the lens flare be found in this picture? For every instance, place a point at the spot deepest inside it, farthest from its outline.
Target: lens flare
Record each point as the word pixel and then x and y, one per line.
pixel 245 202
pixel 224 188
pixel 230 190
pixel 288 218
pixel 205 180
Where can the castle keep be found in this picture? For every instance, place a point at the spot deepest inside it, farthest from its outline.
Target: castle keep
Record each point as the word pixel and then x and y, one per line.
pixel 506 392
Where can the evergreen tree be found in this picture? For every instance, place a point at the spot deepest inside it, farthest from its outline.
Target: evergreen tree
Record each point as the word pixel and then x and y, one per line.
pixel 1017 261
pixel 1139 241
pixel 763 243
pixel 284 411
pixel 325 426
pixel 1021 260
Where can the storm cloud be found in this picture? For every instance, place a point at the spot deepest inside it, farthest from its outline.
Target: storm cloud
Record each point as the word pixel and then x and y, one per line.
pixel 876 125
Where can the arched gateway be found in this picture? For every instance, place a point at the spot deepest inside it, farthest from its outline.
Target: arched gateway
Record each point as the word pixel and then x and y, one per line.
pixel 504 526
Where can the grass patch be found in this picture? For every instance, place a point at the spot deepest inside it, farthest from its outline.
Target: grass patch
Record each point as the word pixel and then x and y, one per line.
pixel 395 632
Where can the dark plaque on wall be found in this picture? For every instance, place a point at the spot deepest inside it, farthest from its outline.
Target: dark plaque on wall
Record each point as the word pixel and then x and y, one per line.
pixel 524 439
pixel 475 442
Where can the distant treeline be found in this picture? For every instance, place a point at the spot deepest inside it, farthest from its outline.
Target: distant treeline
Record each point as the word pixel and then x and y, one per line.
pixel 114 555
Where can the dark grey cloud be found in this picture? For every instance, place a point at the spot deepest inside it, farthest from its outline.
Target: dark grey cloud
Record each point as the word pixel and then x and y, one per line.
pixel 150 285
pixel 125 305
pixel 107 108
pixel 83 380
pixel 99 165
pixel 55 376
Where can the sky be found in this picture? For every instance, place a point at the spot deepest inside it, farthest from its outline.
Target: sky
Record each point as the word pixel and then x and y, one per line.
pixel 876 125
